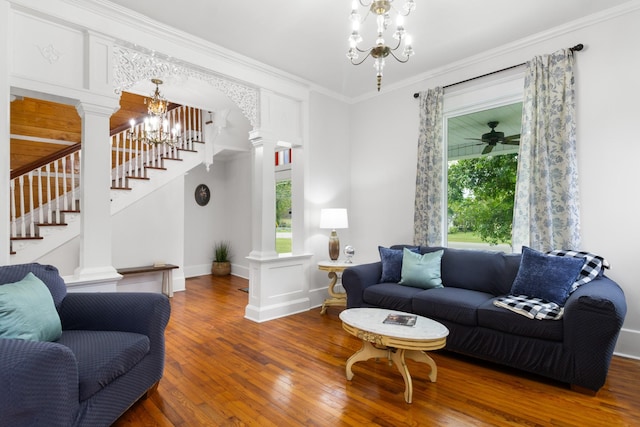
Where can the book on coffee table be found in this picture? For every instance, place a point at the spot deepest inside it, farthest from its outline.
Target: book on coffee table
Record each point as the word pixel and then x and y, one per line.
pixel 401 319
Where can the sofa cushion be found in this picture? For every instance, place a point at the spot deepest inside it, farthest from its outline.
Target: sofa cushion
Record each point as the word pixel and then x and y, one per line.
pixel 499 319
pixel 390 295
pixel 453 304
pixel 421 271
pixel 483 271
pixel 103 356
pixel 545 276
pixel 27 311
pixel 391 260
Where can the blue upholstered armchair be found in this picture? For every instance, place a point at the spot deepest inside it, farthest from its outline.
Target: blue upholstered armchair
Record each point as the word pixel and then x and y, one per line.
pixel 105 352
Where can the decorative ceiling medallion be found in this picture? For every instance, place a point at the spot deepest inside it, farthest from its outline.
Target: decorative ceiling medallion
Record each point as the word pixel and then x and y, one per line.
pixel 135 65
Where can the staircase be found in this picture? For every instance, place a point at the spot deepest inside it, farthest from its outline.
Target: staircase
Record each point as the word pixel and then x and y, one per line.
pixel 45 200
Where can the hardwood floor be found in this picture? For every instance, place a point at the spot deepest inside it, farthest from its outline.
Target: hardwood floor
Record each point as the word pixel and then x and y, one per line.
pixel 224 370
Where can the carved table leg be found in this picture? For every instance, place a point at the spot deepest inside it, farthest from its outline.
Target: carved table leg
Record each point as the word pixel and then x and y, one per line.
pixel 337 299
pixel 366 352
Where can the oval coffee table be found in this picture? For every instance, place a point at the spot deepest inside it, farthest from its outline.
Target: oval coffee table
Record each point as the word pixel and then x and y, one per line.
pixel 395 342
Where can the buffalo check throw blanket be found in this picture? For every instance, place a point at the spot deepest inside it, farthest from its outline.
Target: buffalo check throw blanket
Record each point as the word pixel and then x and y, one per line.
pixel 536 308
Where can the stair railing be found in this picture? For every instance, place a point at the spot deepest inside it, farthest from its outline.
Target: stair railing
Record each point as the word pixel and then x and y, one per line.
pixel 42 191
pixel 131 157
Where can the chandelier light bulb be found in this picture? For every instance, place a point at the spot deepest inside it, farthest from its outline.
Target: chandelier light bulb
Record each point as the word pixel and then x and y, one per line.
pixel 408 40
pixel 354 39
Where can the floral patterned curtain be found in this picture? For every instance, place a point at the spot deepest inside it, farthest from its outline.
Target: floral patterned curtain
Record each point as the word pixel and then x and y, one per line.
pixel 547 212
pixel 427 219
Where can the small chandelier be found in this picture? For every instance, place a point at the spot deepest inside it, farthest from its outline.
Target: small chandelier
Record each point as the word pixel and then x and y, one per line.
pixel 155 127
pixel 382 9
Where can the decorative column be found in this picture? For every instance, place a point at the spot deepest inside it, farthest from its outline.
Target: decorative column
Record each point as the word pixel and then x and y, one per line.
pixel 95 202
pixel 278 285
pixel 263 233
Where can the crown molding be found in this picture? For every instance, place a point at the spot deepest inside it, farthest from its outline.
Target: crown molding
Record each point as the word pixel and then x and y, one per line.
pixel 194 48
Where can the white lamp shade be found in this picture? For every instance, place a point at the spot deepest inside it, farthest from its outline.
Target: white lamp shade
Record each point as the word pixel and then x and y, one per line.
pixel 334 218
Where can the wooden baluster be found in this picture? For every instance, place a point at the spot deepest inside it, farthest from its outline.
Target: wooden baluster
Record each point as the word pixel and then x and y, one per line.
pixel 187 126
pixel 199 126
pixel 73 181
pixel 23 230
pixel 115 140
pixel 12 202
pixel 49 201
pixel 65 185
pixel 123 162
pixel 40 202
pixel 32 228
pixel 56 189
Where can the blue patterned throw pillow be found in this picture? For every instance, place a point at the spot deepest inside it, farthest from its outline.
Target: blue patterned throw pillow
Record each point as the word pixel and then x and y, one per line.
pixel 546 277
pixel 391 264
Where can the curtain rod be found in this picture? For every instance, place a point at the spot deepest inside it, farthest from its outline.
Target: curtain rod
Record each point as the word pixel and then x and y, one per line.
pixel 576 48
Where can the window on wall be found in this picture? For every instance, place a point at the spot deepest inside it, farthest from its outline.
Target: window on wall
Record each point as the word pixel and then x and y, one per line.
pixel 283 201
pixel 482 161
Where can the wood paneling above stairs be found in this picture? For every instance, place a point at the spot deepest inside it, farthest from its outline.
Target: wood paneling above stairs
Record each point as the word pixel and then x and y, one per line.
pixel 54 126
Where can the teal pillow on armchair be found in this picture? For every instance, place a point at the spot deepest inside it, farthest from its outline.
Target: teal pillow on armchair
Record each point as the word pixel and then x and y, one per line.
pixel 27 311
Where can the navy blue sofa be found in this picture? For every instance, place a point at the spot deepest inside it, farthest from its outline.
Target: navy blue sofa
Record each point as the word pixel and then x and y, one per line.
pixel 110 354
pixel 576 349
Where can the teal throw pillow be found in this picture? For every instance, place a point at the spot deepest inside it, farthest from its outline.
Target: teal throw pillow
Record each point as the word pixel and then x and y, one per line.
pixel 27 311
pixel 546 276
pixel 421 271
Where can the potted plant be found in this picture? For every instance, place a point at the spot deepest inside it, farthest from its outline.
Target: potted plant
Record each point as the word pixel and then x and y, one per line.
pixel 221 265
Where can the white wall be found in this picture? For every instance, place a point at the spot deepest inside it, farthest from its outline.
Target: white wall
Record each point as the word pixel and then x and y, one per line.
pixel 327 165
pixel 226 217
pixel 384 150
pixel 200 221
pixel 152 230
pixel 236 208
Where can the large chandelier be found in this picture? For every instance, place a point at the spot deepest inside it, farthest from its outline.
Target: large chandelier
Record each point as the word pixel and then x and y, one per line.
pixel 155 128
pixel 382 9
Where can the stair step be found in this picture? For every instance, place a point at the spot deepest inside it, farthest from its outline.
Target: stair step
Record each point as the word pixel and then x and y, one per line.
pixel 187 150
pixel 171 158
pixel 120 188
pixel 139 177
pixel 27 238
pixel 156 168
pixel 70 211
pixel 51 224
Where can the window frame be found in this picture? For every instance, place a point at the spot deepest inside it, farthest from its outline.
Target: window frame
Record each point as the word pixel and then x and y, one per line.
pixel 494 91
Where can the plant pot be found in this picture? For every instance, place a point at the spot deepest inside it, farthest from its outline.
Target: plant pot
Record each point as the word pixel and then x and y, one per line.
pixel 220 268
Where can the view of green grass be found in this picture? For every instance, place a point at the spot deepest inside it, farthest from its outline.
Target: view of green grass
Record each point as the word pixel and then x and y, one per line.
pixel 464 237
pixel 283 245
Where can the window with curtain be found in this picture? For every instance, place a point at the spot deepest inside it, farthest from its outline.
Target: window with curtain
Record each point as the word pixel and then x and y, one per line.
pixel 546 201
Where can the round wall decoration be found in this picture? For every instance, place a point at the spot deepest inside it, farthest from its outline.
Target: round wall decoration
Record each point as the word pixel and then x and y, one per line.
pixel 203 195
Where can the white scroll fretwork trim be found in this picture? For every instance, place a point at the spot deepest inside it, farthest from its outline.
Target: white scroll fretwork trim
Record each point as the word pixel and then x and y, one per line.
pixel 133 66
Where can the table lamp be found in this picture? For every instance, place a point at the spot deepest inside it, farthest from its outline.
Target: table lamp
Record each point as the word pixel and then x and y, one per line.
pixel 332 219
